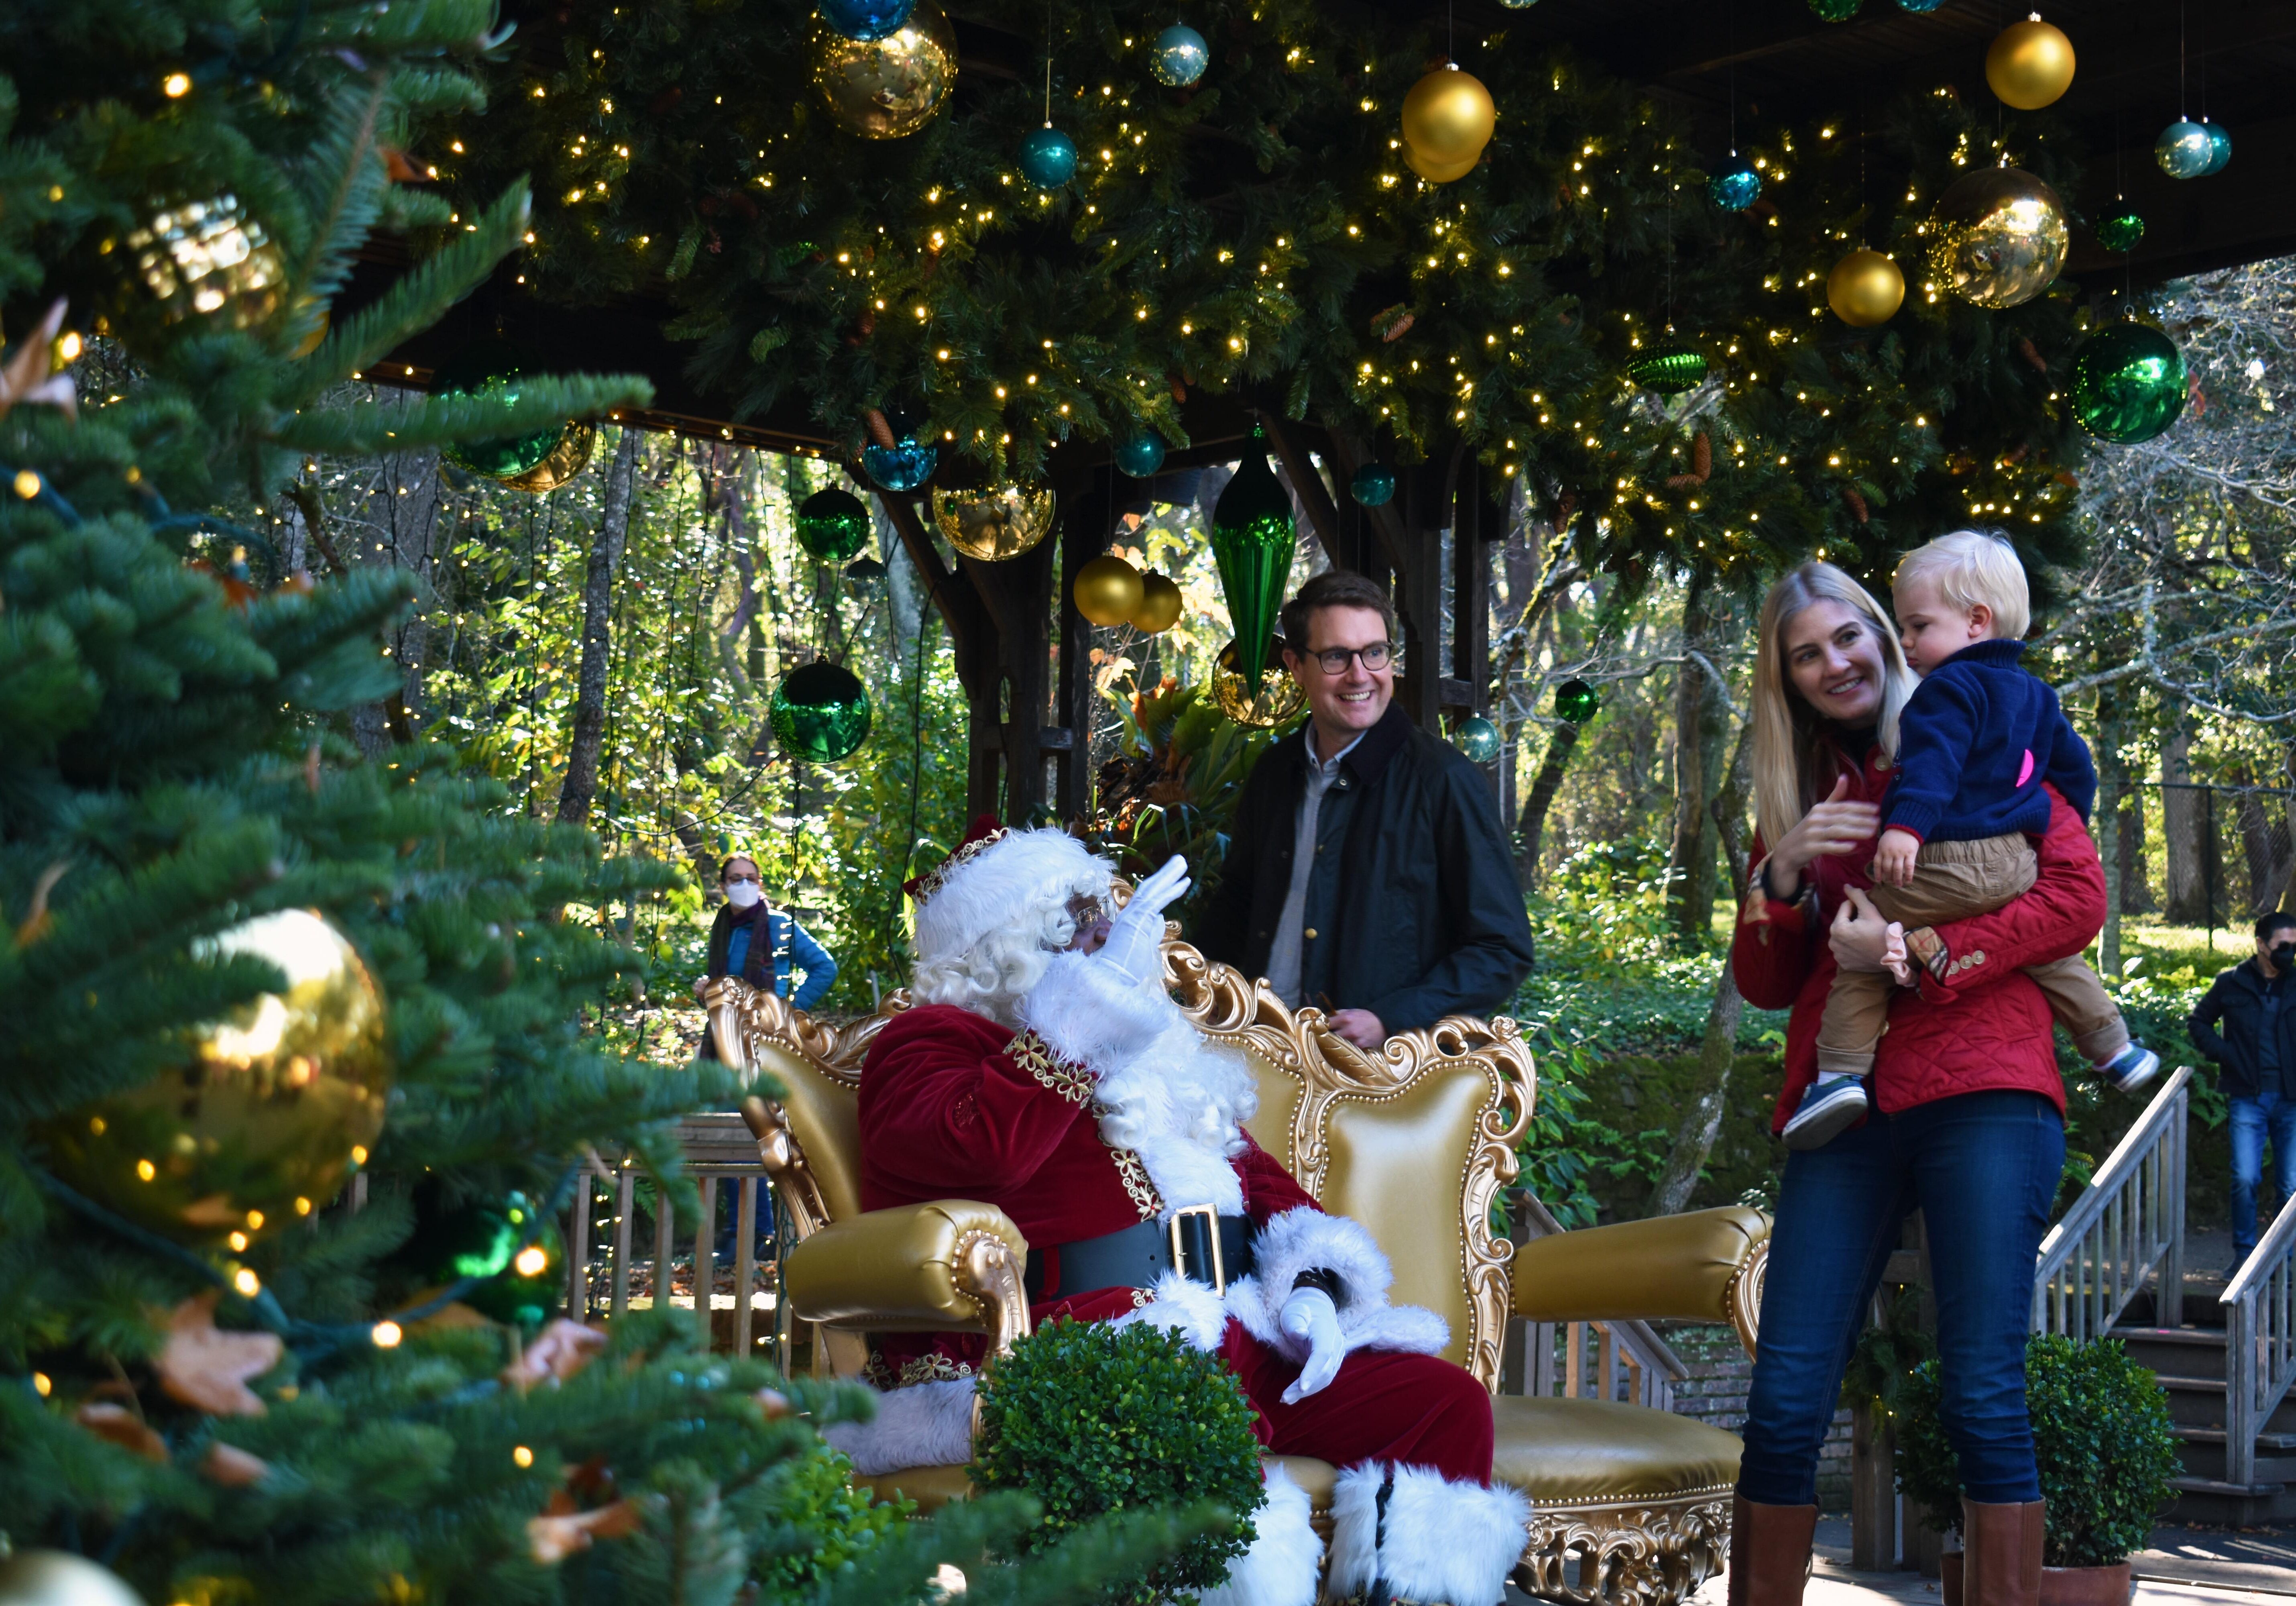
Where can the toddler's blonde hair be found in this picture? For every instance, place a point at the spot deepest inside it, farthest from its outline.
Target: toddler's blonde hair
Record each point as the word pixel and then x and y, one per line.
pixel 1973 566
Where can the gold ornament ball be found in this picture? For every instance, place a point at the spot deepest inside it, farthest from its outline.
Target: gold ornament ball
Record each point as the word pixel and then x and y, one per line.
pixel 208 259
pixel 1108 591
pixel 1159 605
pixel 267 1113
pixel 1864 289
pixel 55 1577
pixel 2030 64
pixel 1998 237
pixel 568 459
pixel 1448 116
pixel 891 87
pixel 1278 702
pixel 995 523
pixel 1439 172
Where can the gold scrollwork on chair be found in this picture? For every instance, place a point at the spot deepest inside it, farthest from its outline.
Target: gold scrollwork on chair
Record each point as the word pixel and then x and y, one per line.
pixel 1626 1552
pixel 784 1161
pixel 741 1016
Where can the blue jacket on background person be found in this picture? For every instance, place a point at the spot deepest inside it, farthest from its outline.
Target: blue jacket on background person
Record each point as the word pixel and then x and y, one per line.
pixel 762 945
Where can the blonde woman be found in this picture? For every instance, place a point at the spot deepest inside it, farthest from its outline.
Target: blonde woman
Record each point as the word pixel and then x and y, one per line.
pixel 1967 1106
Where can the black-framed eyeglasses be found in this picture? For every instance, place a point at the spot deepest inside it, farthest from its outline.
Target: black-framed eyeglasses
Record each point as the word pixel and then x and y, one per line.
pixel 1335 660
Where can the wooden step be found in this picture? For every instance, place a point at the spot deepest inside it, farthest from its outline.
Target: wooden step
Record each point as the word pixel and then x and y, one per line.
pixel 2202 1451
pixel 2216 1503
pixel 2181 1351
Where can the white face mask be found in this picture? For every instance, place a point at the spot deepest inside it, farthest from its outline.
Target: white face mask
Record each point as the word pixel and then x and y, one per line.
pixel 744 894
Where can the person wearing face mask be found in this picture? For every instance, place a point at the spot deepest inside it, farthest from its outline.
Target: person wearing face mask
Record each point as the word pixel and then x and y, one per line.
pixel 2247 1024
pixel 762 945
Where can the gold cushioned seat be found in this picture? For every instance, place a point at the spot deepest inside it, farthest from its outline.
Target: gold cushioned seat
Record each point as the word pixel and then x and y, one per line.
pixel 1632 1503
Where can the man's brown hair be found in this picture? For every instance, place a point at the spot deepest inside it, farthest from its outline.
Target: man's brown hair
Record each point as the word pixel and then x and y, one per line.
pixel 1334 589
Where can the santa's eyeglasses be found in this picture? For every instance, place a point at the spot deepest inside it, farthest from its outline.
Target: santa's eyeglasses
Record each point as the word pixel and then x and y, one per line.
pixel 1087 912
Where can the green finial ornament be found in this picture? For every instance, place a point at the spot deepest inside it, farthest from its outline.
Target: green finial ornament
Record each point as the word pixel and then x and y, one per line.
pixel 1253 542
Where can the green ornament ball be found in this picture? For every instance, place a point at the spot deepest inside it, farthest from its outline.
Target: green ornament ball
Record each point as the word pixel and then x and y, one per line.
pixel 820 711
pixel 1835 10
pixel 2127 384
pixel 2120 232
pixel 1253 543
pixel 507 1241
pixel 1670 370
pixel 1477 739
pixel 832 525
pixel 489 370
pixel 1576 701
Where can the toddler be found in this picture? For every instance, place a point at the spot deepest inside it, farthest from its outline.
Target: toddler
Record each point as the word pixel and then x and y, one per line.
pixel 1976 740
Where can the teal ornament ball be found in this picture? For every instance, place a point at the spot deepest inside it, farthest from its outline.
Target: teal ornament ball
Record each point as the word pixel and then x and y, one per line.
pixel 832 525
pixel 1372 485
pixel 489 371
pixel 1477 739
pixel 1179 56
pixel 1735 185
pixel 2219 148
pixel 2127 384
pixel 2120 232
pixel 1670 370
pixel 2184 148
pixel 1919 8
pixel 867 21
pixel 820 711
pixel 1048 158
pixel 1576 701
pixel 1141 455
pixel 1835 10
pixel 901 466
pixel 1252 542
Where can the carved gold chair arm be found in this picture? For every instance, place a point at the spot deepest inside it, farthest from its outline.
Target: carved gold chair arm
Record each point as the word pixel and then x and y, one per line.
pixel 952 1266
pixel 1703 1266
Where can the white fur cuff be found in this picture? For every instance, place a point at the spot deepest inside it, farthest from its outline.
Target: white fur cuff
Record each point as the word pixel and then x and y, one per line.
pixel 1454 1542
pixel 1280 1568
pixel 1304 1239
pixel 925 1425
pixel 1187 1307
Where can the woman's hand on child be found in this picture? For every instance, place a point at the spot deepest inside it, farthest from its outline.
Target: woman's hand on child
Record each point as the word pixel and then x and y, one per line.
pixel 1860 937
pixel 1893 857
pixel 1832 826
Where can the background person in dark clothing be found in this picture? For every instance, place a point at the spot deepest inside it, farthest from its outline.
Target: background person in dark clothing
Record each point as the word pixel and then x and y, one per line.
pixel 1366 872
pixel 2255 1004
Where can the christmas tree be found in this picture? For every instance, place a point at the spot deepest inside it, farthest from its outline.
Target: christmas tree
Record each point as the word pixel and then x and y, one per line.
pixel 249 980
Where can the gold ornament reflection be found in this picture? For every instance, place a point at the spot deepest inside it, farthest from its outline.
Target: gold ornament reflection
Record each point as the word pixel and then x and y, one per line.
pixel 891 87
pixel 1998 237
pixel 267 1113
pixel 205 257
pixel 568 459
pixel 994 523
pixel 1278 701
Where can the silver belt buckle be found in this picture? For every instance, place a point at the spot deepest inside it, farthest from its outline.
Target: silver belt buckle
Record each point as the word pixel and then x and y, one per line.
pixel 1210 1213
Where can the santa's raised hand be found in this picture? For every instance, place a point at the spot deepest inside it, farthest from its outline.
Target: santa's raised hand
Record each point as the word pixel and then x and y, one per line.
pixel 1135 937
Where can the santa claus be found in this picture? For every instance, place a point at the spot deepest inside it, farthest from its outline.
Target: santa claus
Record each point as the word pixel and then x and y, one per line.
pixel 1043 1069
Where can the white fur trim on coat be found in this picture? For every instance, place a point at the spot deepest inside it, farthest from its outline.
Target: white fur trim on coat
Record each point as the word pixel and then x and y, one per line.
pixel 924 1425
pixel 1280 1568
pixel 1443 1540
pixel 1182 1306
pixel 1303 1240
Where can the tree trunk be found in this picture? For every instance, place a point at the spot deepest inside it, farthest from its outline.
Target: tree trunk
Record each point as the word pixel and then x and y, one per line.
pixel 1532 824
pixel 574 797
pixel 2184 821
pixel 1699 720
pixel 1702 1122
pixel 2136 872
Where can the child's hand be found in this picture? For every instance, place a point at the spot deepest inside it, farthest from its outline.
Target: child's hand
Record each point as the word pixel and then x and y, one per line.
pixel 1893 860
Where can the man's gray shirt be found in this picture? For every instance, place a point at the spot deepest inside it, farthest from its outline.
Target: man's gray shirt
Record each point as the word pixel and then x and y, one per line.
pixel 1284 956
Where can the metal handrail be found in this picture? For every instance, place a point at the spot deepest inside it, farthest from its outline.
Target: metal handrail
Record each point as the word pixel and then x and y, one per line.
pixel 2128 1225
pixel 2259 1310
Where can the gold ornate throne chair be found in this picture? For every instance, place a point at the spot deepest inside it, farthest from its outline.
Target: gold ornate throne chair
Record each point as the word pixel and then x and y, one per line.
pixel 1631 1503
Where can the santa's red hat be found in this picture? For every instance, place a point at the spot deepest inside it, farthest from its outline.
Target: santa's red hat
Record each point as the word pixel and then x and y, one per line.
pixel 995 875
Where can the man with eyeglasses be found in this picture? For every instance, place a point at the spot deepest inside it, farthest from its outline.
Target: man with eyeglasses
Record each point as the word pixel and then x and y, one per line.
pixel 1366 874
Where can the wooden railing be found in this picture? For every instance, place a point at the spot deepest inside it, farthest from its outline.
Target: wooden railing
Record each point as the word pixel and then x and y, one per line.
pixel 2128 1225
pixel 2259 1310
pixel 1592 1358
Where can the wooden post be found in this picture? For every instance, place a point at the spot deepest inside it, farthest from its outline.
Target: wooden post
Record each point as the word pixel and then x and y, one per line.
pixel 1426 496
pixel 577 1248
pixel 625 1183
pixel 745 1260
pixel 664 1251
pixel 705 1256
pixel 1873 1490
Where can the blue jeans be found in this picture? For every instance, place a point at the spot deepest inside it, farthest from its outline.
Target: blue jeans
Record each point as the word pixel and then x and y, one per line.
pixel 2252 1121
pixel 1983 1169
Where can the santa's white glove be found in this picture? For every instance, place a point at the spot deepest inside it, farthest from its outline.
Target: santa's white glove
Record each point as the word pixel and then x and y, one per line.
pixel 1310 1315
pixel 1135 937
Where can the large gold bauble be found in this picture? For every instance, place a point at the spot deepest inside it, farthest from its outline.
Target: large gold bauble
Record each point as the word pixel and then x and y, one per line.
pixel 2030 64
pixel 267 1112
pixel 568 459
pixel 891 87
pixel 1998 237
pixel 1108 591
pixel 1448 116
pixel 208 259
pixel 56 1577
pixel 1439 172
pixel 996 524
pixel 1159 605
pixel 1278 701
pixel 1864 289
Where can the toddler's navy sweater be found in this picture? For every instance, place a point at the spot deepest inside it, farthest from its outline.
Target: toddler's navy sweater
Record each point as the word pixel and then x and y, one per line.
pixel 1975 742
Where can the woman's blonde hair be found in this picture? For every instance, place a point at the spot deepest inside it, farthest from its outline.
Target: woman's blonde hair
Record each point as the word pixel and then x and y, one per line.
pixel 1793 765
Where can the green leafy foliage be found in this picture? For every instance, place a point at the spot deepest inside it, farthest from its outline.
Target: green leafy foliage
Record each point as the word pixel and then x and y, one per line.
pixel 1090 1419
pixel 830 1524
pixel 2102 1436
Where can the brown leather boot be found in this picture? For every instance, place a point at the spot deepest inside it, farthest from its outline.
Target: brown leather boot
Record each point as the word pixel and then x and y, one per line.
pixel 2001 1555
pixel 1769 1552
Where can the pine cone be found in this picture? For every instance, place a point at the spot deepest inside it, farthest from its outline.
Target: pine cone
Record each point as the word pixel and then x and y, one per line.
pixel 881 432
pixel 1701 457
pixel 2031 354
pixel 1857 509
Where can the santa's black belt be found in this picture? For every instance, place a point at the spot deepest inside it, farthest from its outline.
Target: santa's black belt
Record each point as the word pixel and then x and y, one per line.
pixel 1137 1256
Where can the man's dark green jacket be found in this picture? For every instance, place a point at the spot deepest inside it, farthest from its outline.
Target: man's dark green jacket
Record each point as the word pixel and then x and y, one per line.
pixel 1413 913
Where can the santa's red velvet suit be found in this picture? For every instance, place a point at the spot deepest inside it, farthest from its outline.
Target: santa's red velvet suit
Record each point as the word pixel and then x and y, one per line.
pixel 1095 1107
